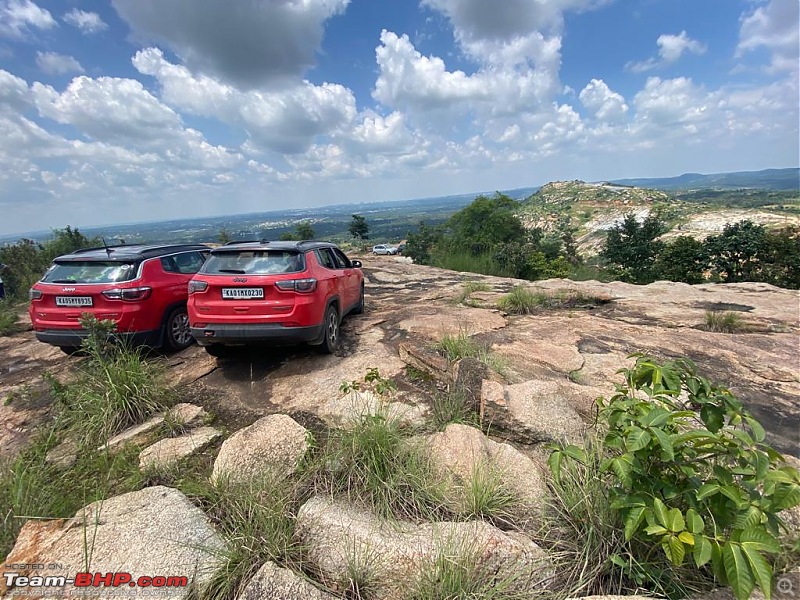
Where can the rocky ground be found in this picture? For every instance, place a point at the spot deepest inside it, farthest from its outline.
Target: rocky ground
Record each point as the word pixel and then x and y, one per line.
pixel 554 363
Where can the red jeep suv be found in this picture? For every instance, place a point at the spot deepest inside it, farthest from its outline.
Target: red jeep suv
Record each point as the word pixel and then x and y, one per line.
pixel 141 288
pixel 276 292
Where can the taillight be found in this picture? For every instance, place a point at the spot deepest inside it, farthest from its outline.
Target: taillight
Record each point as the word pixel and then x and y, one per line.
pixel 128 294
pixel 197 286
pixel 303 286
pixel 34 294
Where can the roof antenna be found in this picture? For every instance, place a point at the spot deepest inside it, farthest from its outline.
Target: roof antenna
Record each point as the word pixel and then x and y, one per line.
pixel 108 250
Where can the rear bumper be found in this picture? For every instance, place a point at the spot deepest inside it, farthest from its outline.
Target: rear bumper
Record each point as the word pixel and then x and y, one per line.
pixel 255 333
pixel 72 338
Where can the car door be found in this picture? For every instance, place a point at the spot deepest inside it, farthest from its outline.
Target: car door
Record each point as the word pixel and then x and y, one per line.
pixel 350 276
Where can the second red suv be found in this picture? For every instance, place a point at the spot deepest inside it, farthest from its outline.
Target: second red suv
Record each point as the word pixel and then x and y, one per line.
pixel 141 288
pixel 277 292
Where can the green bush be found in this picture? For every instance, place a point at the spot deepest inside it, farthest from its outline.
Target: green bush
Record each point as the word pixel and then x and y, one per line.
pixel 723 322
pixel 690 475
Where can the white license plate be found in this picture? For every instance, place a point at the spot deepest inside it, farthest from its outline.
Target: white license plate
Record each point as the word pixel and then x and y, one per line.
pixel 242 293
pixel 73 301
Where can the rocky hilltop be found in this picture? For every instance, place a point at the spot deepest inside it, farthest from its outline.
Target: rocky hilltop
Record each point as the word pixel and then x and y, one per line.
pixel 594 208
pixel 256 413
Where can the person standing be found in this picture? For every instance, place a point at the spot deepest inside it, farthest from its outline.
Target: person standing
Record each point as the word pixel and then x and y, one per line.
pixel 2 285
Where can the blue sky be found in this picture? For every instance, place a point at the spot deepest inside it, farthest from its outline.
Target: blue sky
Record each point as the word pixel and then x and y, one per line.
pixel 137 110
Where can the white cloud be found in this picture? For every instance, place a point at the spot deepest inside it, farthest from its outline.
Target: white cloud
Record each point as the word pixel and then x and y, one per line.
pixel 774 27
pixel 670 49
pixel 605 104
pixel 14 93
pixel 53 63
pixel 18 17
pixel 248 43
pixel 287 121
pixel 87 22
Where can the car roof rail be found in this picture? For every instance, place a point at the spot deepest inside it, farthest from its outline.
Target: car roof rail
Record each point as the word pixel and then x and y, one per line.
pixel 234 242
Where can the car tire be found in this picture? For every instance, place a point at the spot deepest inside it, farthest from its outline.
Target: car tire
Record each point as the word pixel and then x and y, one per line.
pixel 332 335
pixel 359 309
pixel 177 332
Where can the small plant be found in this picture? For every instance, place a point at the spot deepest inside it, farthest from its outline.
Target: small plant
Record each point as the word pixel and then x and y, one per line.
pixel 456 572
pixel 521 301
pixel 487 497
pixel 8 317
pixel 372 382
pixel 373 463
pixel 451 406
pixel 462 345
pixel 116 387
pixel 690 475
pixel 255 518
pixel 363 577
pixel 724 322
pixel 470 287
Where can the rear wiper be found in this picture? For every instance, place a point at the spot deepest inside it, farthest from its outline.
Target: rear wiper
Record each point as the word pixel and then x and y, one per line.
pixel 234 271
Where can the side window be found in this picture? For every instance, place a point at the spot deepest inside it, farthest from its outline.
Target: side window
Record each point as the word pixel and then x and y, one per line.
pixel 341 259
pixel 189 263
pixel 168 264
pixel 326 258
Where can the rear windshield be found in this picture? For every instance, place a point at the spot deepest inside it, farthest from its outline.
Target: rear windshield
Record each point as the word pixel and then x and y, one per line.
pixel 254 262
pixel 90 272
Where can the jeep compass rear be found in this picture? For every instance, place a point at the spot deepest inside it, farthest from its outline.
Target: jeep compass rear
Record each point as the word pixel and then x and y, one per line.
pixel 142 289
pixel 274 292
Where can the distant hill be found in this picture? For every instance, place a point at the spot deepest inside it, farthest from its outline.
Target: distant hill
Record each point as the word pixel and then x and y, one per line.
pixel 768 179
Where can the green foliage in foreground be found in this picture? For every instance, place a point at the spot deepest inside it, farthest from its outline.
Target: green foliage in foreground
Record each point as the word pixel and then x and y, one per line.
pixel 692 479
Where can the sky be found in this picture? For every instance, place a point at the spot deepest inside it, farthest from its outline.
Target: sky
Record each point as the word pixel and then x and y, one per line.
pixel 117 111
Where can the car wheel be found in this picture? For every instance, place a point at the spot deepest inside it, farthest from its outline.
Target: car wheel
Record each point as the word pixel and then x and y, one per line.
pixel 177 333
pixel 359 309
pixel 330 342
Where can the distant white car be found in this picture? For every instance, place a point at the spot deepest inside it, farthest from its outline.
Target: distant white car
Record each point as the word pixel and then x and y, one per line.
pixel 384 249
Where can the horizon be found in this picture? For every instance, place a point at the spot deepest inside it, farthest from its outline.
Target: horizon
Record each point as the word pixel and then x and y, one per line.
pixel 5 237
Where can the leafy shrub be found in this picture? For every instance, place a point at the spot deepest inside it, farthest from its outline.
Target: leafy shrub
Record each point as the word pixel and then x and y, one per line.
pixel 8 317
pixel 689 472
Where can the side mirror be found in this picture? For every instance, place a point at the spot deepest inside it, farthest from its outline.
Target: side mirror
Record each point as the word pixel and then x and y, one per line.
pixel 356 264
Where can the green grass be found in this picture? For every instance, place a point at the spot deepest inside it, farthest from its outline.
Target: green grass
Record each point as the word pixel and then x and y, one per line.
pixel 724 322
pixel 373 464
pixel 451 406
pixel 468 288
pixel 30 487
pixel 9 315
pixel 486 497
pixel 465 262
pixel 522 301
pixel 456 573
pixel 454 347
pixel 256 520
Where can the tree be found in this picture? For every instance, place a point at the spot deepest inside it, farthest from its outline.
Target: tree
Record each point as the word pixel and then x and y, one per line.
pixel 486 222
pixel 359 227
pixel 737 254
pixel 631 248
pixel 783 257
pixel 305 231
pixel 683 259
pixel 421 245
pixel 224 237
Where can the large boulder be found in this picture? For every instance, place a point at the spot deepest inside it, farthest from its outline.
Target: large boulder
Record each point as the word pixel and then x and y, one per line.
pixel 338 537
pixel 534 411
pixel 349 409
pixel 169 451
pixel 274 444
pixel 461 453
pixel 276 583
pixel 155 531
